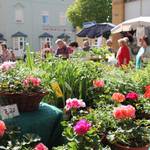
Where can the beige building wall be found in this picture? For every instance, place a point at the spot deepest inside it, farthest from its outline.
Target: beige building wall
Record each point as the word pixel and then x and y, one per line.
pixel 118 14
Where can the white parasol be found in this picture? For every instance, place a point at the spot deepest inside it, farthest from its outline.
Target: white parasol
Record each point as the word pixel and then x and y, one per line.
pixel 131 24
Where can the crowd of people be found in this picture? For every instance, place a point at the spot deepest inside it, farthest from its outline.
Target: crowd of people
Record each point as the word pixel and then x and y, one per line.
pixel 122 56
pixel 64 50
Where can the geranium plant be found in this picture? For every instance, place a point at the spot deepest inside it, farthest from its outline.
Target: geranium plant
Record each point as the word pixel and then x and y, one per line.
pixel 129 132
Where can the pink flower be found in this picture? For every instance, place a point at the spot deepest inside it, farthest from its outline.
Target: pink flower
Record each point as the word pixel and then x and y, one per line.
pixel 41 146
pixel 31 81
pixel 98 83
pixel 124 112
pixel 74 103
pixel 2 128
pixel 36 81
pixel 132 96
pixel 82 127
pixel 7 65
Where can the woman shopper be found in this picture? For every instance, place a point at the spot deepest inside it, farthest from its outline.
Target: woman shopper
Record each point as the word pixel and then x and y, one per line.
pixel 139 57
pixel 62 49
pixel 123 54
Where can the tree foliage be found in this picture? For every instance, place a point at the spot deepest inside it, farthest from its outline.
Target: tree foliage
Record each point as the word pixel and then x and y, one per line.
pixel 90 10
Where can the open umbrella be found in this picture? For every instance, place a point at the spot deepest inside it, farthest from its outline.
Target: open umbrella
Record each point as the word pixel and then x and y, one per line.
pixel 96 30
pixel 132 24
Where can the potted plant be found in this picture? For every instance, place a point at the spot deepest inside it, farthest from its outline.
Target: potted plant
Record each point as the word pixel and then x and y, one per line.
pixel 130 134
pixel 20 85
pixel 10 138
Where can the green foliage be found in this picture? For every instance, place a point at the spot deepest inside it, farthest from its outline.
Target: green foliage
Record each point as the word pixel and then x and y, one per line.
pixel 131 133
pixel 86 10
pixel 12 140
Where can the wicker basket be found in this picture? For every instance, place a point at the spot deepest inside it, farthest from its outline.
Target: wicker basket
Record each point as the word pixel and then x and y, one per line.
pixel 26 102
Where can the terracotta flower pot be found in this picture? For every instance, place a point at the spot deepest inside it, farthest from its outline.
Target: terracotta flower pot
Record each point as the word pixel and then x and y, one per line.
pixel 120 147
pixel 26 102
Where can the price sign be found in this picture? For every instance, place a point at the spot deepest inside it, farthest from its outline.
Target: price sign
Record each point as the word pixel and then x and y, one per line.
pixel 9 111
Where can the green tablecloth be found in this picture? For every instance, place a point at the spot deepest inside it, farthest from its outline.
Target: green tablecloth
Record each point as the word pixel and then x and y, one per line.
pixel 45 123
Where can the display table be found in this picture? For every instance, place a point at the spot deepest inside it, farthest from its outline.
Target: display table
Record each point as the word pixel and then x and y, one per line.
pixel 45 123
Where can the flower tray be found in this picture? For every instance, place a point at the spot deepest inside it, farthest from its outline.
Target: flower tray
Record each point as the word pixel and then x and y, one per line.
pixel 26 102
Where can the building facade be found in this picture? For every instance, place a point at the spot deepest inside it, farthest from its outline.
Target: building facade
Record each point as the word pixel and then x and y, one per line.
pixel 126 9
pixel 35 22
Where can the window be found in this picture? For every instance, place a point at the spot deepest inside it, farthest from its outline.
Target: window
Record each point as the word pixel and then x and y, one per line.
pixel 19 43
pixel 45 40
pixel 62 19
pixel 45 18
pixel 19 13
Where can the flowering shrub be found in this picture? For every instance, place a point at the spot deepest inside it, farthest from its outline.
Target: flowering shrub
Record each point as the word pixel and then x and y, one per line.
pixel 132 96
pixel 98 83
pixel 124 112
pixel 82 127
pixel 2 128
pixel 74 104
pixel 6 66
pixel 118 97
pixel 40 146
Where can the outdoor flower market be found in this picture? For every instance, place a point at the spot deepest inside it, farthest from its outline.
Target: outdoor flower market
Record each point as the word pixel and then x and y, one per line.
pixel 76 84
pixel 86 104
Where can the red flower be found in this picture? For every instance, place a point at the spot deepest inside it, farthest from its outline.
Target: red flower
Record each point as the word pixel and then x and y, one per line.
pixel 98 83
pixel 147 87
pixel 132 96
pixel 118 97
pixel 2 128
pixel 124 112
pixel 147 94
pixel 41 146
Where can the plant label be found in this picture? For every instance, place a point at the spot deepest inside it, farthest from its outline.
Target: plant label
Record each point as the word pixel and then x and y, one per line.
pixel 56 88
pixel 9 111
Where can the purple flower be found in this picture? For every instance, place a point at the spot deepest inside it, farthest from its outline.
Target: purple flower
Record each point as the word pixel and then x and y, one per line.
pixel 82 127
